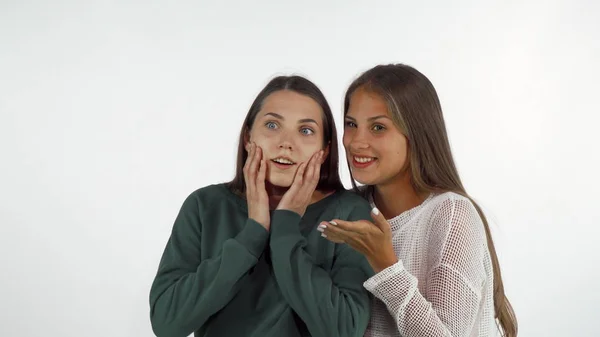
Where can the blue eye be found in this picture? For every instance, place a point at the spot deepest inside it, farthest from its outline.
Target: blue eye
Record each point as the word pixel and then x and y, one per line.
pixel 307 131
pixel 271 125
pixel 350 124
pixel 378 127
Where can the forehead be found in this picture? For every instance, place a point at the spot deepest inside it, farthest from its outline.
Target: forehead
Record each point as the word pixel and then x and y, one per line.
pixel 367 103
pixel 292 106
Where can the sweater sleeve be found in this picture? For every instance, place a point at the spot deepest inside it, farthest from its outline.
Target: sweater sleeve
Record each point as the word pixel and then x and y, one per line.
pixel 330 304
pixel 188 287
pixel 450 303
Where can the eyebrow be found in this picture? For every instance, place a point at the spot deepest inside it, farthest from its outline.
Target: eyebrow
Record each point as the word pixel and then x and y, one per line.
pixel 278 116
pixel 368 119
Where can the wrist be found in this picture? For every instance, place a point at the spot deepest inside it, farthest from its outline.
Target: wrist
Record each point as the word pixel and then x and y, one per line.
pixel 383 260
pixel 263 222
pixel 291 209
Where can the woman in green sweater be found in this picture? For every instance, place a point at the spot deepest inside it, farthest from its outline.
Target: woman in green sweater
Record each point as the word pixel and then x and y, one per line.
pixel 244 258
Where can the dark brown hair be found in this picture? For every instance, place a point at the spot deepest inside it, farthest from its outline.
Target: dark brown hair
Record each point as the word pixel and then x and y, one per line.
pixel 330 177
pixel 415 108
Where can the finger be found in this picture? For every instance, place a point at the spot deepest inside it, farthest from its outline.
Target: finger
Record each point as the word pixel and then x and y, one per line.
pixel 311 177
pixel 323 157
pixel 249 156
pixel 380 221
pixel 331 236
pixel 310 166
pixel 336 232
pixel 256 160
pixel 310 171
pixel 317 168
pixel 253 169
pixel 299 178
pixel 349 226
pixel 262 172
pixel 247 164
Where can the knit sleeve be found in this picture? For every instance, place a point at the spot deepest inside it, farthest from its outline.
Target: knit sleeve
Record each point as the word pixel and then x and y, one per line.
pixel 449 303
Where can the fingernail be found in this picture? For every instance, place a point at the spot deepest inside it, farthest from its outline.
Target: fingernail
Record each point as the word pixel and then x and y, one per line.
pixel 333 223
pixel 323 226
pixel 375 211
pixel 323 235
pixel 320 229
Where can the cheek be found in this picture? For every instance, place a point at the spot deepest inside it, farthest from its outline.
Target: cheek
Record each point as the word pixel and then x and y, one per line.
pixel 391 149
pixel 308 151
pixel 346 140
pixel 400 152
pixel 403 148
pixel 261 139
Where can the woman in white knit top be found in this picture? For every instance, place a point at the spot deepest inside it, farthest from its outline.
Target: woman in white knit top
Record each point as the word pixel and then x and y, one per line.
pixel 436 270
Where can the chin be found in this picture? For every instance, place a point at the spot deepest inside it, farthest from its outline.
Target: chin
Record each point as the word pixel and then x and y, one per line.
pixel 279 181
pixel 364 178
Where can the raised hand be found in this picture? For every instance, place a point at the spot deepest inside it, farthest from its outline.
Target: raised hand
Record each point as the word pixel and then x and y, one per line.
pixel 372 239
pixel 298 196
pixel 256 194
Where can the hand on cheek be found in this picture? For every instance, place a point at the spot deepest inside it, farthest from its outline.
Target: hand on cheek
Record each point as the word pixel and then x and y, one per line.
pixel 256 194
pixel 299 195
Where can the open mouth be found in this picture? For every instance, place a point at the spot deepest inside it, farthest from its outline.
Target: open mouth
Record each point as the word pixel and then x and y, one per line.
pixel 283 163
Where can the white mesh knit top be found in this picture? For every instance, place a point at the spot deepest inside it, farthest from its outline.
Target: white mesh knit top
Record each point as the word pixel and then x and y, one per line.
pixel 442 284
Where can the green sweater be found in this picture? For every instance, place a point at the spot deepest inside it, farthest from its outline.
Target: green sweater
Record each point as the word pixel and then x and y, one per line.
pixel 222 274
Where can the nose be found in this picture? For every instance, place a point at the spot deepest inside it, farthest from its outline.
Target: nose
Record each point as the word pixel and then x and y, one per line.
pixel 285 146
pixel 285 143
pixel 357 140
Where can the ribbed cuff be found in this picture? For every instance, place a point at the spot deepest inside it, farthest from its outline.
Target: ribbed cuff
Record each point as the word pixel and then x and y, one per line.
pixel 254 237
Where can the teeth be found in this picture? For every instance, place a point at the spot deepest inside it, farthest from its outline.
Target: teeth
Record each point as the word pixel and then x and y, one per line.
pixel 283 161
pixel 363 159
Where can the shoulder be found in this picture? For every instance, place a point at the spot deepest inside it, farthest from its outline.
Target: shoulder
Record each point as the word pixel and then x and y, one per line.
pixel 363 191
pixel 209 197
pixel 210 191
pixel 458 237
pixel 349 199
pixel 451 205
pixel 455 217
pixel 351 196
pixel 353 206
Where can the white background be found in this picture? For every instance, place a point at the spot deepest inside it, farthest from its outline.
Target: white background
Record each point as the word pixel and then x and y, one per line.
pixel 112 112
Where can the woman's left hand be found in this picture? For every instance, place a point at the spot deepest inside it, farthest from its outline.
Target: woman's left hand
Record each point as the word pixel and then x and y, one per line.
pixel 372 239
pixel 298 196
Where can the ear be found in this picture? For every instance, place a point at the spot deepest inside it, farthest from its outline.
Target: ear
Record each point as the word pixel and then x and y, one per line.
pixel 325 153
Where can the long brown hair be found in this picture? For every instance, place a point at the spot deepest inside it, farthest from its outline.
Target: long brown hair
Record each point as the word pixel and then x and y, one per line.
pixel 416 111
pixel 330 177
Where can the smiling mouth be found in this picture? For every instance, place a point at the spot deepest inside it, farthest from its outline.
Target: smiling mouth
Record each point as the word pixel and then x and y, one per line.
pixel 363 160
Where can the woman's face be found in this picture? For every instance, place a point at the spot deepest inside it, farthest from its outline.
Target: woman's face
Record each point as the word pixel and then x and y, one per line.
pixel 289 129
pixel 376 150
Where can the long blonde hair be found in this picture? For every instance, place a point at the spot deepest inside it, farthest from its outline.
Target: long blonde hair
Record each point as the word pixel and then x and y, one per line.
pixel 415 108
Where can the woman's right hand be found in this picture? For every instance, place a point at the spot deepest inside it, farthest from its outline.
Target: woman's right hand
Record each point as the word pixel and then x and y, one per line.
pixel 256 194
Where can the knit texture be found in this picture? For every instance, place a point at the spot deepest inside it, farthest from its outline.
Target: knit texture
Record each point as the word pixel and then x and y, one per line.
pixel 442 284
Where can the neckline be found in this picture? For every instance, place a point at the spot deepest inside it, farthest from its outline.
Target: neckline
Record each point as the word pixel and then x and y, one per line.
pixel 399 220
pixel 241 201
